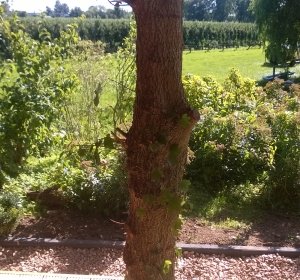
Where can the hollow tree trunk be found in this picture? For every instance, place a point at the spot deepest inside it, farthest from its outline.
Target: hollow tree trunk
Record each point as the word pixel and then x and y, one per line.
pixel 157 141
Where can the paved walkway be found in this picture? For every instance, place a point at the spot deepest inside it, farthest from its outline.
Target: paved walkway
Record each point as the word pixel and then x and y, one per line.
pixel 12 275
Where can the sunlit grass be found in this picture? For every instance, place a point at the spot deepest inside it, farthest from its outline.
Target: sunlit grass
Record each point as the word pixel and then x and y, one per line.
pixel 249 62
pixel 231 208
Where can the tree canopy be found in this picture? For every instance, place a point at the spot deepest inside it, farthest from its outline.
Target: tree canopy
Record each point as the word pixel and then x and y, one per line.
pixel 278 23
pixel 61 8
pixel 217 10
pixel 76 12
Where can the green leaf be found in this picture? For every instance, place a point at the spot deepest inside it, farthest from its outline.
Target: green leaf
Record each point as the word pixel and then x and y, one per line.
pixel 120 114
pixel 178 252
pixel 149 199
pixel 166 267
pixel 96 99
pixel 99 88
pixel 185 120
pixel 165 197
pixel 109 142
pixel 173 155
pixel 177 227
pixel 156 174
pixel 174 204
pixel 97 92
pixel 140 212
pixel 170 200
pixel 161 138
pixel 184 185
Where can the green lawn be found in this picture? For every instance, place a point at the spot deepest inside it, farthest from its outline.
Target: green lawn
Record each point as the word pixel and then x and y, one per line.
pixel 250 63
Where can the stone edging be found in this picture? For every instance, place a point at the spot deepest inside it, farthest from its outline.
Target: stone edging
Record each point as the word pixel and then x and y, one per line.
pixel 228 250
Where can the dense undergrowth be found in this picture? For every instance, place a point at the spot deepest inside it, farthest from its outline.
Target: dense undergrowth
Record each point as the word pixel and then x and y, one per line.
pixel 247 141
pixel 246 147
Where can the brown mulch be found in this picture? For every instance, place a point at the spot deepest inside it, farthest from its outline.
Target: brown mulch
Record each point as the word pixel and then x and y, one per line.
pixel 273 230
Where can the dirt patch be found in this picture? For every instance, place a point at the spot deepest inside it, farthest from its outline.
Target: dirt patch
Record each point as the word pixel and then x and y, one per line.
pixel 271 231
pixel 65 224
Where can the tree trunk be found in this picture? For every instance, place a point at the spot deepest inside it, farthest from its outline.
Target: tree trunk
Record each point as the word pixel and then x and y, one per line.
pixel 157 141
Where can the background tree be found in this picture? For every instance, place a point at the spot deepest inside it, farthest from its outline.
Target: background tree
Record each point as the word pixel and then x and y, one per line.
pixel 49 11
pixel 65 9
pixel 61 9
pixel 156 144
pixel 5 6
pixel 22 13
pixel 76 12
pixel 278 23
pixel 224 8
pixel 243 13
pixel 96 12
pixel 198 9
pixel 117 12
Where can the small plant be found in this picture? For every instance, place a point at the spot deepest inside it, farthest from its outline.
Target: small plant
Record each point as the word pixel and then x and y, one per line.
pixel 10 212
pixel 92 187
pixel 125 78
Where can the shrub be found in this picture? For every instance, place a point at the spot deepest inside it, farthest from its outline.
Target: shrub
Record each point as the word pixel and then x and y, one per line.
pixel 34 86
pixel 10 212
pixel 92 187
pixel 231 144
pixel 246 135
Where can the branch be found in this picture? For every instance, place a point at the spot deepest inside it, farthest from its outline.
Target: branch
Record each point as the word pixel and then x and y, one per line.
pixel 123 133
pixel 117 222
pixel 121 141
pixel 118 83
pixel 194 115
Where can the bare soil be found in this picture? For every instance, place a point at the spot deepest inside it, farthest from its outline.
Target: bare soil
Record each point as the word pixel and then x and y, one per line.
pixel 273 230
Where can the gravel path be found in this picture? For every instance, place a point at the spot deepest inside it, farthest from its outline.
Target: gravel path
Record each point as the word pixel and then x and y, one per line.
pixel 109 262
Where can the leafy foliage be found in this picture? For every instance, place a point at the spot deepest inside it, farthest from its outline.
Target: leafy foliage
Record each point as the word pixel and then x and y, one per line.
pixel 10 212
pixel 83 120
pixel 34 87
pixel 90 187
pixel 246 135
pixel 220 10
pixel 278 24
pixel 125 78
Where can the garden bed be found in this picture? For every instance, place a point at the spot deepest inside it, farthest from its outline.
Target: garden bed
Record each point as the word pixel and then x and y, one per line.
pixel 272 230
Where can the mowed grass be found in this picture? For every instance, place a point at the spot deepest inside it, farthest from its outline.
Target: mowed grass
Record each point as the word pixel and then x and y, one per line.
pixel 250 63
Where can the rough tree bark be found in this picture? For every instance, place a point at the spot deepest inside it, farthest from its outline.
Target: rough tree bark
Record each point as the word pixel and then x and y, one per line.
pixel 157 141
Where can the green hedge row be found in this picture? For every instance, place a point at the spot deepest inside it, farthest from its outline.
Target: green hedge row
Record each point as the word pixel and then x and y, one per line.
pixel 110 31
pixel 208 35
pixel 197 35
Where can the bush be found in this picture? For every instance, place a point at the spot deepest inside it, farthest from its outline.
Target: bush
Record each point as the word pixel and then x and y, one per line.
pixel 246 135
pixel 92 187
pixel 230 143
pixel 34 85
pixel 10 212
